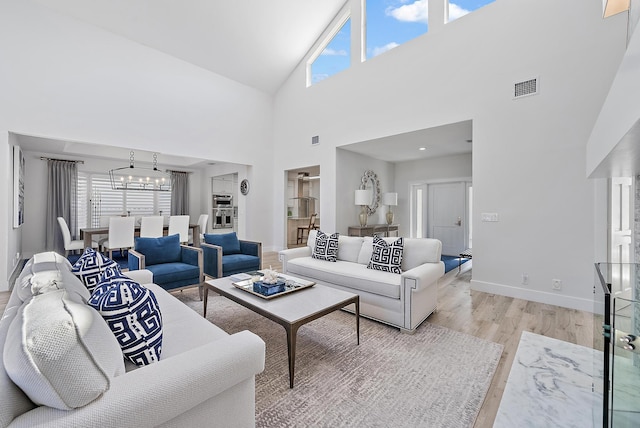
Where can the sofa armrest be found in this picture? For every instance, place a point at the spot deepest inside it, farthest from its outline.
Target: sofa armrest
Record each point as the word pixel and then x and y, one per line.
pixel 136 260
pixel 152 395
pixel 212 255
pixel 292 253
pixel 422 276
pixel 141 276
pixel 193 256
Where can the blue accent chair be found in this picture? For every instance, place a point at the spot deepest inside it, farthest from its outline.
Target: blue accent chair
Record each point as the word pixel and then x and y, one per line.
pixel 174 266
pixel 225 254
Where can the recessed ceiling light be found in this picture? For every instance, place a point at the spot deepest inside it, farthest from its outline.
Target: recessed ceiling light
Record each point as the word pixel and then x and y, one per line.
pixel 422 148
pixel 469 141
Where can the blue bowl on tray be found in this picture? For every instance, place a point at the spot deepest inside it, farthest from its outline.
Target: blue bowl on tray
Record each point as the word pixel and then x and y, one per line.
pixel 268 289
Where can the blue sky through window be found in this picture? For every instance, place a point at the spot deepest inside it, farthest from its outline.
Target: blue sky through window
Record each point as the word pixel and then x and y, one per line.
pixel 335 57
pixel 390 23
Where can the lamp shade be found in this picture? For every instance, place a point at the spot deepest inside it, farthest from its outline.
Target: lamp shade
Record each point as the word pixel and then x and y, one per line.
pixel 390 198
pixel 363 196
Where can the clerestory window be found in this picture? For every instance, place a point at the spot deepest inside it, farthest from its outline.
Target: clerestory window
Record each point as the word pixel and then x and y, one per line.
pixel 334 57
pixel 458 8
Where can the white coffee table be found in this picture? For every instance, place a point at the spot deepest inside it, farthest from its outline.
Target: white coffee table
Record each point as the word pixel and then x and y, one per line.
pixel 290 311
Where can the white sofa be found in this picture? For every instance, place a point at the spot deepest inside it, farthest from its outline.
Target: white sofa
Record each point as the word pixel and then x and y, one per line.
pixel 205 377
pixel 401 300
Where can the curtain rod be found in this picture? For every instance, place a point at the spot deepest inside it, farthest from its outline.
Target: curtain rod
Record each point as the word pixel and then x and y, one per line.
pixel 61 160
pixel 183 172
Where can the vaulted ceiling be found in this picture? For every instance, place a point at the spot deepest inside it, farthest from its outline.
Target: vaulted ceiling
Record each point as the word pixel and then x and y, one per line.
pixel 254 42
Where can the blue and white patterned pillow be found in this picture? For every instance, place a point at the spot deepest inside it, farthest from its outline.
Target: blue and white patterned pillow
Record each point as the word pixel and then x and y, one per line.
pixel 326 247
pixel 90 266
pixel 386 257
pixel 133 315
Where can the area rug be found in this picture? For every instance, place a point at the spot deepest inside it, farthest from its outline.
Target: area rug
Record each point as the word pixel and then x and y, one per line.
pixel 551 385
pixel 434 378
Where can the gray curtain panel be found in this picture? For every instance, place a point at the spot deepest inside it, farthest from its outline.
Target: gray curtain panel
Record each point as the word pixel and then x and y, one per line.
pixel 179 193
pixel 62 201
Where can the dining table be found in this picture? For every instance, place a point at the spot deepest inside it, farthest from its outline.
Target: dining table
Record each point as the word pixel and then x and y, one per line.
pixel 87 233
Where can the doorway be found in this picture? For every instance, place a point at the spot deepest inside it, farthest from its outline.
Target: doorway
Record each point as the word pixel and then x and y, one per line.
pixel 441 211
pixel 621 206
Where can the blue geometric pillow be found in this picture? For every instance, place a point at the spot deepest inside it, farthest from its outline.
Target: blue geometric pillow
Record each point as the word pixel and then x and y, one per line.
pixel 90 266
pixel 386 257
pixel 326 247
pixel 133 315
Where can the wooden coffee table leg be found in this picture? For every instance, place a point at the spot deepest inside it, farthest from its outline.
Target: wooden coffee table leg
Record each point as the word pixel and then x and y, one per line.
pixel 292 333
pixel 205 298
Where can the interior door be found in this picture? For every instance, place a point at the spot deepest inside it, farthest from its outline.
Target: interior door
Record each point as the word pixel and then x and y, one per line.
pixel 620 249
pixel 447 216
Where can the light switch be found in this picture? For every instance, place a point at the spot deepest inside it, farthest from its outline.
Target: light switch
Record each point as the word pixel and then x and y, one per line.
pixel 490 217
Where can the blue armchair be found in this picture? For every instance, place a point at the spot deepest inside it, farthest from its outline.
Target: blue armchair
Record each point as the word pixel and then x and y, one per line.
pixel 174 266
pixel 224 254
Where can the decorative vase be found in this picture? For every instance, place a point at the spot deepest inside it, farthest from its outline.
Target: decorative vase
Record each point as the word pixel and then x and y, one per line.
pixel 363 217
pixel 389 217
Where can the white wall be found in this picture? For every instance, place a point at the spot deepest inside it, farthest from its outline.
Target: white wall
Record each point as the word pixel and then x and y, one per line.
pixel 64 79
pixel 349 171
pixel 529 154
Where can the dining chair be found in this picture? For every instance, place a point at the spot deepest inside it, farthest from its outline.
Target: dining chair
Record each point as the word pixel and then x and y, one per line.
pixel 302 229
pixel 69 244
pixel 179 224
pixel 203 220
pixel 151 226
pixel 121 234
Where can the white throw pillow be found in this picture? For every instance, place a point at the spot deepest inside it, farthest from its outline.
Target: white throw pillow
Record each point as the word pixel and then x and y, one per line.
pixel 60 352
pixel 349 248
pixel 365 252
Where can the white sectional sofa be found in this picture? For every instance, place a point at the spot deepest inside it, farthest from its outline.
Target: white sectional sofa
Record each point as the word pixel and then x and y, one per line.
pixel 401 300
pixel 204 377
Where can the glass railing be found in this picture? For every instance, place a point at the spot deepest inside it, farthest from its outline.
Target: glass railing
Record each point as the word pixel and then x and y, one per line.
pixel 616 300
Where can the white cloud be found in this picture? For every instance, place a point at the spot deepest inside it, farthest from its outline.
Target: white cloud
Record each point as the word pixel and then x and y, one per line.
pixel 333 52
pixel 456 11
pixel 382 49
pixel 411 12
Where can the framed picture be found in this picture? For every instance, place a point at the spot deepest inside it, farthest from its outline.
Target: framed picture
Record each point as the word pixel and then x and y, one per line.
pixel 18 187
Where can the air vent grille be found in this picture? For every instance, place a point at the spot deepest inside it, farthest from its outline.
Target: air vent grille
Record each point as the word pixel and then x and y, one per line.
pixel 528 87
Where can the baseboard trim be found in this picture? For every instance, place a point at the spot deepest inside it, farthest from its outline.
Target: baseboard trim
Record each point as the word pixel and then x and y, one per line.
pixel 534 296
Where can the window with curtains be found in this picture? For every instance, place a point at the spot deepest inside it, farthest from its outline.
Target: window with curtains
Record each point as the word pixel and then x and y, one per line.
pixel 96 198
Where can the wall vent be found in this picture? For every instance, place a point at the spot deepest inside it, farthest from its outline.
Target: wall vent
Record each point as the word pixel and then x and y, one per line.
pixel 528 87
pixel 315 140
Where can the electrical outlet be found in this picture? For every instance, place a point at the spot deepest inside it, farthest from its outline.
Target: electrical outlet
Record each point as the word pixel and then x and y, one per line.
pixel 557 284
pixel 525 279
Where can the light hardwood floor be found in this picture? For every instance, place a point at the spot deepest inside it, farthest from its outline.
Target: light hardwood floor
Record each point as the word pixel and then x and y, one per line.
pixel 495 318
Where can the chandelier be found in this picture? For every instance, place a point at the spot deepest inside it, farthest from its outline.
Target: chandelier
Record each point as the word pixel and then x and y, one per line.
pixel 139 178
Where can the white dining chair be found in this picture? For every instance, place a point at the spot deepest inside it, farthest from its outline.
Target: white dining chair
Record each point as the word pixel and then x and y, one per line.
pixel 179 224
pixel 203 220
pixel 121 234
pixel 151 226
pixel 69 244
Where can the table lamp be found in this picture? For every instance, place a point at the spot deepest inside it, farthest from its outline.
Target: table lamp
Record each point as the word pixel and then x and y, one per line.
pixel 390 199
pixel 363 198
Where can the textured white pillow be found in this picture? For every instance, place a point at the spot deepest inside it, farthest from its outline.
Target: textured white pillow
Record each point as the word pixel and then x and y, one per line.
pixel 349 248
pixel 60 352
pixel 365 252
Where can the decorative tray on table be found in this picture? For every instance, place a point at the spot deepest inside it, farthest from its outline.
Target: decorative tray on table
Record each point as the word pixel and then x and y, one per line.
pixel 285 285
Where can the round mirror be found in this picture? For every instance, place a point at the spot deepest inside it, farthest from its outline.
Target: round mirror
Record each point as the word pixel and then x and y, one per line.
pixel 370 181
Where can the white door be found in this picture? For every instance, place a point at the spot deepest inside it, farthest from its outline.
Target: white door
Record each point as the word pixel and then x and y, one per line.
pixel 621 197
pixel 447 216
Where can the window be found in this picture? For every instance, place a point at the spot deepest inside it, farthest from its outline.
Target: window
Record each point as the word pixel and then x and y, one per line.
pixel 96 198
pixel 391 23
pixel 458 8
pixel 334 57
